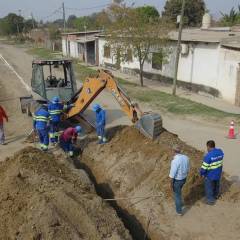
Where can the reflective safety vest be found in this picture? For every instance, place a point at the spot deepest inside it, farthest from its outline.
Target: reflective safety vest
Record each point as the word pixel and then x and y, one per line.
pixel 55 110
pixel 212 164
pixel 40 119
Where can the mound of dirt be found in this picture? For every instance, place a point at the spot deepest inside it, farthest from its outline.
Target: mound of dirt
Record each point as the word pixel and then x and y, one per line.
pixel 132 166
pixel 45 198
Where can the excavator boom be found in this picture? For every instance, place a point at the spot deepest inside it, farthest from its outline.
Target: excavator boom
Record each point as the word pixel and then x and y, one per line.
pixel 150 124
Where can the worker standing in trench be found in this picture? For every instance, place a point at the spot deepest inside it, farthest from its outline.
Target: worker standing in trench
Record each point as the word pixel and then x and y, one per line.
pixel 211 170
pixel 40 124
pixel 100 123
pixel 3 116
pixel 178 174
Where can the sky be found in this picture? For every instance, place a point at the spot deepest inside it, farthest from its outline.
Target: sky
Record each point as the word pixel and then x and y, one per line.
pixel 50 9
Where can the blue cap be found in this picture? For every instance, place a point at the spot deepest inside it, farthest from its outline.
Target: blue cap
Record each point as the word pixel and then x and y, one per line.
pixel 55 99
pixel 78 129
pixel 96 107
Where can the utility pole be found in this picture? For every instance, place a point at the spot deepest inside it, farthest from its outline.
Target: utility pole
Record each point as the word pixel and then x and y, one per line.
pixel 64 29
pixel 64 17
pixel 178 49
pixel 33 24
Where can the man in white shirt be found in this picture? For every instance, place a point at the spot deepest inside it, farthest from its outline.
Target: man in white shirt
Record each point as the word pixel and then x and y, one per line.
pixel 178 174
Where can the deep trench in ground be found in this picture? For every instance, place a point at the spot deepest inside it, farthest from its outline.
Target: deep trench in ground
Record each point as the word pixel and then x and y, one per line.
pixel 104 191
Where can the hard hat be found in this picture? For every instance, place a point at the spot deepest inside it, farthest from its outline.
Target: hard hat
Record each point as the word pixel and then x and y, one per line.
pixel 96 107
pixel 55 99
pixel 78 129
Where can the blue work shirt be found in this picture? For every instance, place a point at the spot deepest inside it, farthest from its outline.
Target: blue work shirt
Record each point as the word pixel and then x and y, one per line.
pixel 212 164
pixel 179 167
pixel 55 110
pixel 40 119
pixel 100 117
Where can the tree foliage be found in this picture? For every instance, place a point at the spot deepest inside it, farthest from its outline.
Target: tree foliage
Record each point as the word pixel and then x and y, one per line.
pixel 194 11
pixel 135 29
pixel 12 24
pixel 232 18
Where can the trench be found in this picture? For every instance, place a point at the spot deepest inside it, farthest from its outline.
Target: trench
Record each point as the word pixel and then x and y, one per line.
pixel 131 223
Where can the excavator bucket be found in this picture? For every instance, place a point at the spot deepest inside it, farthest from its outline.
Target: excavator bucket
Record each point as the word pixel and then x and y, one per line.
pixel 150 125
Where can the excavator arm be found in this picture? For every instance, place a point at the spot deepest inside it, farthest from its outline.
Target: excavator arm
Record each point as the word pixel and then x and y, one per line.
pixel 150 124
pixel 92 87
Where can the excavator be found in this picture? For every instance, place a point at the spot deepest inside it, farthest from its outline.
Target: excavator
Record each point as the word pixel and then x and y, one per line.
pixel 56 78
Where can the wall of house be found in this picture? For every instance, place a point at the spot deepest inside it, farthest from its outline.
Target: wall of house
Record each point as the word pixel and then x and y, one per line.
pixel 207 67
pixel 227 73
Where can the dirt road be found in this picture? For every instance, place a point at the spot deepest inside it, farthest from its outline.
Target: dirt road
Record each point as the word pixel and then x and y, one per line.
pixel 191 131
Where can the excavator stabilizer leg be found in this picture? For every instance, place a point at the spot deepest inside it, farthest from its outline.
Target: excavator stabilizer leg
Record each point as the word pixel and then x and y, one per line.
pixel 150 125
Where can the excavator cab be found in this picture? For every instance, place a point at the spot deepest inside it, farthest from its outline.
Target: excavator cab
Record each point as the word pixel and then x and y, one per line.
pixel 53 78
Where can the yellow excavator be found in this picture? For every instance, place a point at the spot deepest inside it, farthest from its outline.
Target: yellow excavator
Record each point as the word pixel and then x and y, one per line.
pixel 48 80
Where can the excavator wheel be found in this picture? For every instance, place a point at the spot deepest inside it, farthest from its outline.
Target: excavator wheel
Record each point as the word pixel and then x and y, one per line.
pixel 150 125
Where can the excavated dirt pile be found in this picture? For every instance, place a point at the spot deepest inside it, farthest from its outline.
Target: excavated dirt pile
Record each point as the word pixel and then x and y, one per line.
pixel 133 167
pixel 46 198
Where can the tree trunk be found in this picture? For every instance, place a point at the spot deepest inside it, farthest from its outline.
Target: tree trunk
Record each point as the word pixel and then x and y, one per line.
pixel 141 75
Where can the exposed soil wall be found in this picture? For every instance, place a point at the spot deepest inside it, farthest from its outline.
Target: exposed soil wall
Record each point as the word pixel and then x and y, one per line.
pixel 45 198
pixel 131 166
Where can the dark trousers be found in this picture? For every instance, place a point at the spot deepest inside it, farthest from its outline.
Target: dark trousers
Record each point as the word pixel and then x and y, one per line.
pixel 212 189
pixel 177 189
pixel 67 146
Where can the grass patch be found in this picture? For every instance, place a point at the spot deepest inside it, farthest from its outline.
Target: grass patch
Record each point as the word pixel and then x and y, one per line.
pixel 82 72
pixel 43 53
pixel 175 104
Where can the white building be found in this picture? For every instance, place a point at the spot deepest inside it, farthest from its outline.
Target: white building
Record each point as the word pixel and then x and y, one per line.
pixel 209 62
pixel 81 45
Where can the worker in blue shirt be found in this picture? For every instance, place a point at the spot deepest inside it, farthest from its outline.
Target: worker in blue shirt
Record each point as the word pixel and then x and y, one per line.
pixel 211 170
pixel 55 109
pixel 178 175
pixel 40 124
pixel 100 122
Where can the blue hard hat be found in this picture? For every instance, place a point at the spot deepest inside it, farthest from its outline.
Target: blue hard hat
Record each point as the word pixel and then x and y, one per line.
pixel 78 129
pixel 55 99
pixel 96 107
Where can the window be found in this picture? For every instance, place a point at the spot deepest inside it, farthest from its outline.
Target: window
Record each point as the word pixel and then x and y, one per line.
pixel 107 52
pixel 157 60
pixel 129 56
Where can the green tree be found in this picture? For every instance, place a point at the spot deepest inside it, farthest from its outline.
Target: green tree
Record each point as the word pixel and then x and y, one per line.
pixel 70 21
pixel 12 24
pixel 130 31
pixel 232 18
pixel 194 11
pixel 148 13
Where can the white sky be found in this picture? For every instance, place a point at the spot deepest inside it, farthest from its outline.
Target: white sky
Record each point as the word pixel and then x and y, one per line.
pixel 41 9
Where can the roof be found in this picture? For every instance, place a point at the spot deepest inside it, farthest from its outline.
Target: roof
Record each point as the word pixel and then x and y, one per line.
pixel 82 33
pixel 231 42
pixel 86 39
pixel 212 35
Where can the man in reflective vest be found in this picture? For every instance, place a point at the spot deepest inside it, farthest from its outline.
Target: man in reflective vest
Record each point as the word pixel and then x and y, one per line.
pixel 40 124
pixel 211 170
pixel 68 138
pixel 55 109
pixel 100 122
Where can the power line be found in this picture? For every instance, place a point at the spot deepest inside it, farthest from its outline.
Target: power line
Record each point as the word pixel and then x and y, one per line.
pixel 89 8
pixel 57 11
